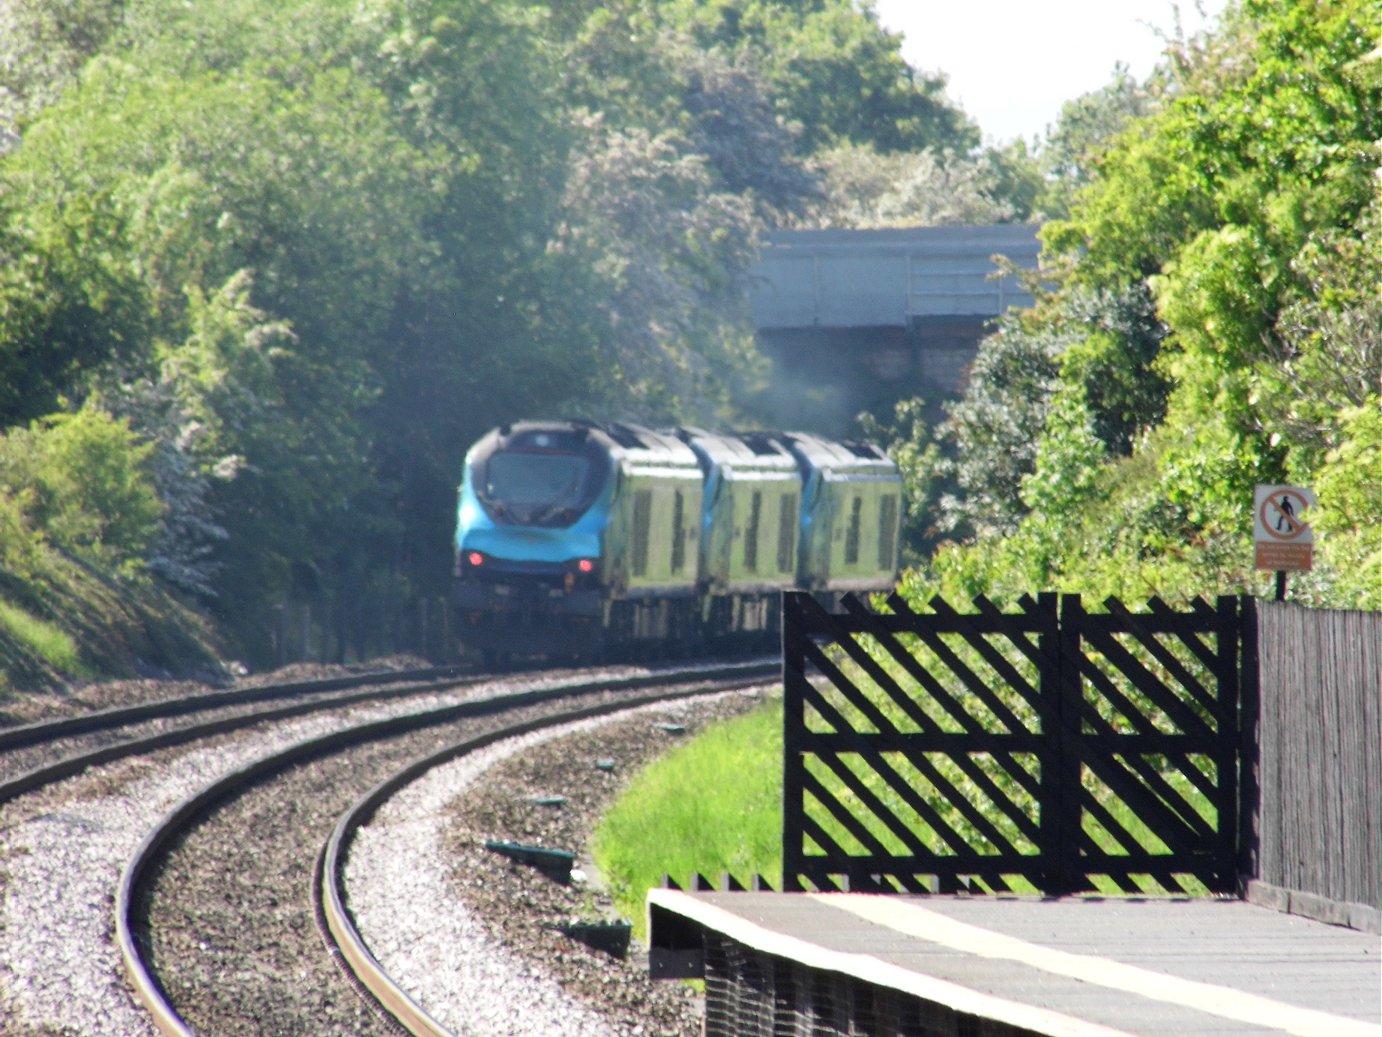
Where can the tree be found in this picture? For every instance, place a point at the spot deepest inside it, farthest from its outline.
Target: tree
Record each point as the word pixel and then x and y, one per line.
pixel 43 46
pixel 1085 129
pixel 994 431
pixel 1213 315
pixel 673 253
pixel 834 71
pixel 1114 362
pixel 71 299
pixel 82 482
pixel 908 189
pixel 206 177
pixel 750 149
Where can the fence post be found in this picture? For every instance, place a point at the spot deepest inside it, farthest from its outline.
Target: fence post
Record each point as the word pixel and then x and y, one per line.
pixel 1053 822
pixel 1070 777
pixel 793 729
pixel 1249 744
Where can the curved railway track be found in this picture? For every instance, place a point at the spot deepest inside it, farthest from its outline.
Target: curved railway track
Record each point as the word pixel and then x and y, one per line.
pixel 41 753
pixel 201 887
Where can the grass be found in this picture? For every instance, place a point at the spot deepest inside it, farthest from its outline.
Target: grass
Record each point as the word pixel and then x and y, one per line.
pixel 711 806
pixel 54 646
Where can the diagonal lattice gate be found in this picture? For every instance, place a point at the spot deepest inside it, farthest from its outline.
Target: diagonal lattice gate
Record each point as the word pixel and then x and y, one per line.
pixel 1047 750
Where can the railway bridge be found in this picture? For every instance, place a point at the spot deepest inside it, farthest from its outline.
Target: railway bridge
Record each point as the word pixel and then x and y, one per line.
pixel 855 320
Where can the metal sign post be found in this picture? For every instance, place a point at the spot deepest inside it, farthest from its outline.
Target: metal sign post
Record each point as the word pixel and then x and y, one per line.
pixel 1282 538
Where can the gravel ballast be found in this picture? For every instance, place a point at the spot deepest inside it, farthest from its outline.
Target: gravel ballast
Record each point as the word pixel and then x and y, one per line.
pixel 457 923
pixel 62 849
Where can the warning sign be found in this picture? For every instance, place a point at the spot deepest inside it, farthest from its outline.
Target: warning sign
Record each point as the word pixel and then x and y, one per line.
pixel 1281 535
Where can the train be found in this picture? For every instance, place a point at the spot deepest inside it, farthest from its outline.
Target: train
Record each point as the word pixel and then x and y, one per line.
pixel 583 540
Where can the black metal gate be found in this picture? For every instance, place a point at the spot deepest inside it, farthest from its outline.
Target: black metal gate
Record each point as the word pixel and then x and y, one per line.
pixel 1050 749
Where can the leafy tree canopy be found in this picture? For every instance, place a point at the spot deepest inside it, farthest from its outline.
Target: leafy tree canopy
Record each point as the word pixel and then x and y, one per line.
pixel 1215 285
pixel 833 69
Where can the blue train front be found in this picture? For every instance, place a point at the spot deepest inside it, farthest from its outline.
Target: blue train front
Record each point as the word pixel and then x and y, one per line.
pixel 573 537
pixel 570 536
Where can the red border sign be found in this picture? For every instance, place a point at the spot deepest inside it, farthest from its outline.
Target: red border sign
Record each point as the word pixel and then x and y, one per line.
pixel 1282 537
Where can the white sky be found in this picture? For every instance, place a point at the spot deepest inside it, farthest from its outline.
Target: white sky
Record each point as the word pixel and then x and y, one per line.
pixel 1011 64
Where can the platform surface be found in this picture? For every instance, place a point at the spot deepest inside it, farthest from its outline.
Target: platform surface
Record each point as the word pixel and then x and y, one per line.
pixel 1076 967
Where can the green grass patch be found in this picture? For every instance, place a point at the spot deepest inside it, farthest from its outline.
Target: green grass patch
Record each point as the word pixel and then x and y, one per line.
pixel 711 806
pixel 40 637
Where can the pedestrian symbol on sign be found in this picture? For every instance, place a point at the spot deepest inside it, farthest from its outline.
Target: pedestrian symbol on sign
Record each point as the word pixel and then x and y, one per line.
pixel 1286 512
pixel 1280 515
pixel 1282 537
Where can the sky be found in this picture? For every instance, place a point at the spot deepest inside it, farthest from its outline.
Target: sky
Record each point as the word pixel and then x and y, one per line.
pixel 1011 64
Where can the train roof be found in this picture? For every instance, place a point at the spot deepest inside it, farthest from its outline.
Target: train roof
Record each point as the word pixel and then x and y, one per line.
pixel 619 439
pixel 682 447
pixel 843 457
pixel 640 445
pixel 743 451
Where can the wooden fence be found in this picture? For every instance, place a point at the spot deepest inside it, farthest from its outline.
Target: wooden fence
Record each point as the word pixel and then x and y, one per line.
pixel 1320 769
pixel 1050 749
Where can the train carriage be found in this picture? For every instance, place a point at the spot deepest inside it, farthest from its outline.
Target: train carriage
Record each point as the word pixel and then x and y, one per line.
pixel 851 493
pixel 572 537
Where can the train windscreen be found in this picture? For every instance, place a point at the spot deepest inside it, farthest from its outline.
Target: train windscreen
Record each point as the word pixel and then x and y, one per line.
pixel 520 478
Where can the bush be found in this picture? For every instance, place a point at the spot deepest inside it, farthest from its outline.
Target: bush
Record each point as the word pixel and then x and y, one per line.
pixel 81 483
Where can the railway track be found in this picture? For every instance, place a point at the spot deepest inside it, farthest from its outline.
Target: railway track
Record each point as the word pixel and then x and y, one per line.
pixel 41 753
pixel 212 918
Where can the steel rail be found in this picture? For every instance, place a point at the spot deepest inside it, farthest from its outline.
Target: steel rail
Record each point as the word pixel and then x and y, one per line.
pixel 75 763
pixel 354 953
pixel 41 731
pixel 145 983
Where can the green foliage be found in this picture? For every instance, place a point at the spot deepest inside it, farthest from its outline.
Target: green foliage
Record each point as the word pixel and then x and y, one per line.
pixel 214 402
pixel 1114 361
pixel 1213 318
pixel 1069 455
pixel 1086 127
pixel 21 550
pixel 1330 360
pixel 833 70
pixel 908 189
pixel 674 253
pixel 82 484
pixel 307 252
pixel 908 442
pixel 70 296
pixel 43 45
pixel 750 149
pixel 995 428
pixel 1350 495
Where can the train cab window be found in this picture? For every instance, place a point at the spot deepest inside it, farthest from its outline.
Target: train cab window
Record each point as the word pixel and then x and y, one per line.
pixel 538 487
pixel 524 478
